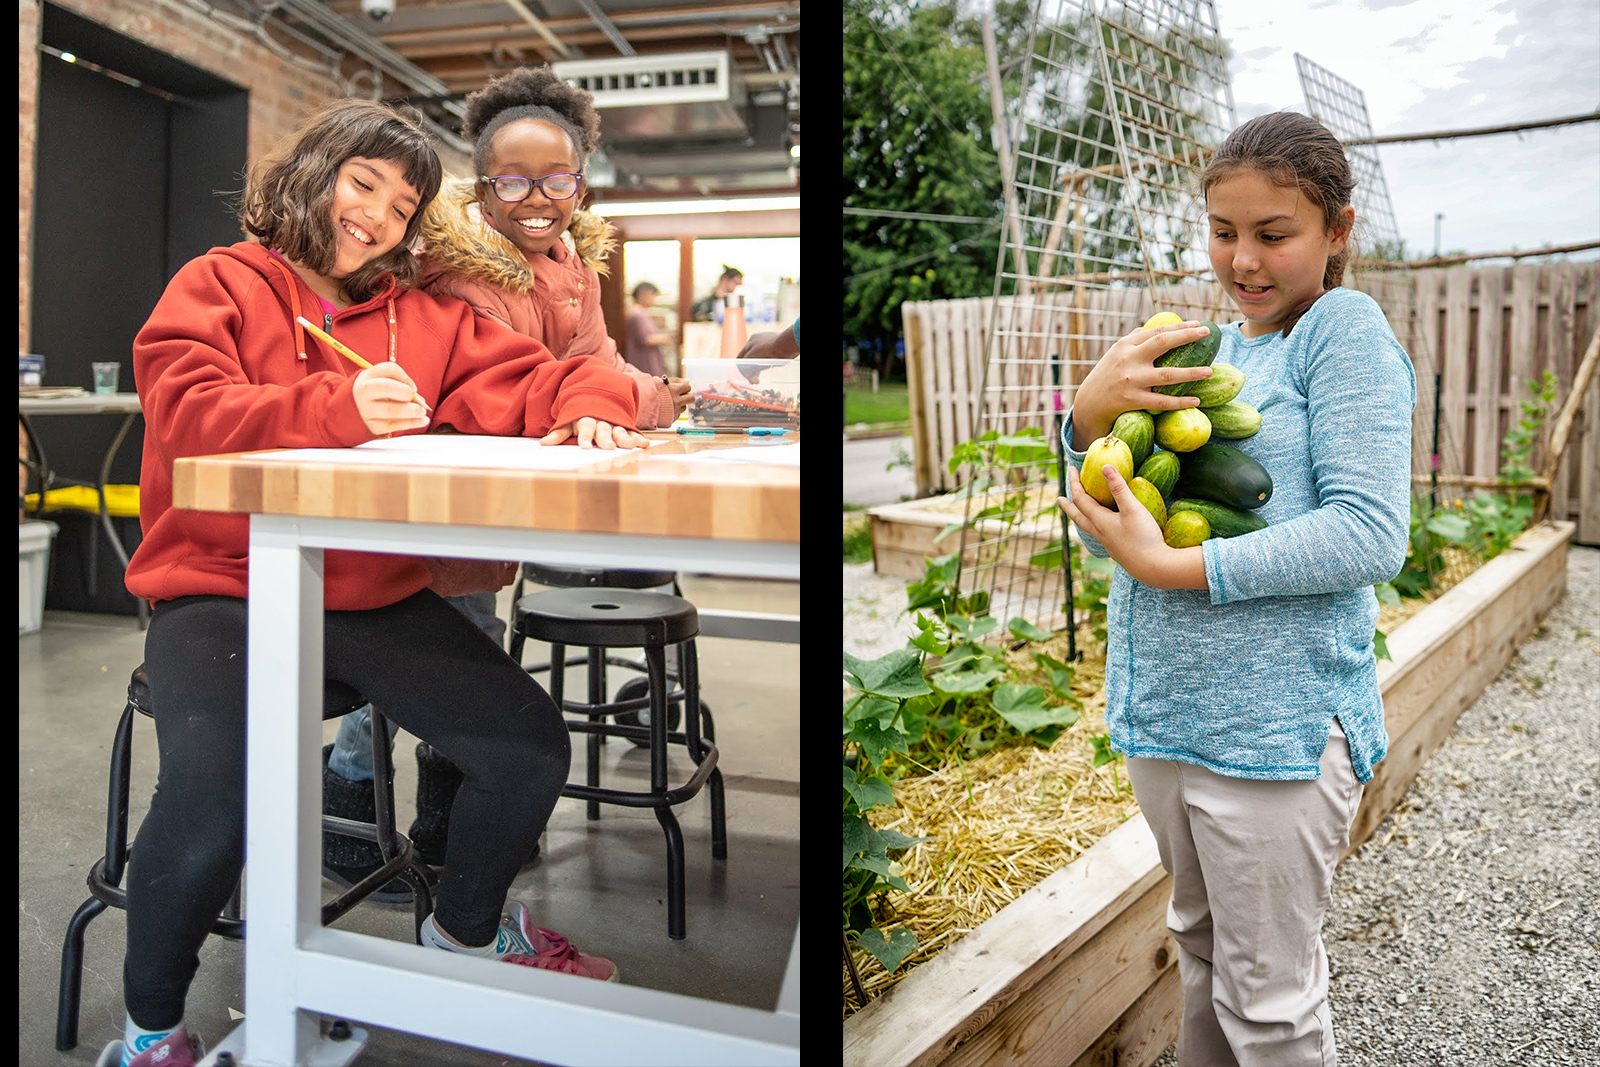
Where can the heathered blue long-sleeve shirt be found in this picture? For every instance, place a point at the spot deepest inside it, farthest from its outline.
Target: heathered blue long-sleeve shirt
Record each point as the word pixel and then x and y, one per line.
pixel 1245 679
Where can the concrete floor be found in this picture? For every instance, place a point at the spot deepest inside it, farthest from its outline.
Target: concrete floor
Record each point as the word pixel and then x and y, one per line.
pixel 601 883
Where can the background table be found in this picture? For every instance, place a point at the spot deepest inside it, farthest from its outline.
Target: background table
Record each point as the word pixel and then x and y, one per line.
pixel 124 404
pixel 638 510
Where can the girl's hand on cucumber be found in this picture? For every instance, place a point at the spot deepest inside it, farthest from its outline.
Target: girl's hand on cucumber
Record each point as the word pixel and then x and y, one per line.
pixel 1130 534
pixel 1125 375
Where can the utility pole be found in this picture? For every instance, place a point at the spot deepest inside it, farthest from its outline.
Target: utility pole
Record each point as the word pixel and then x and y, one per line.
pixel 1438 216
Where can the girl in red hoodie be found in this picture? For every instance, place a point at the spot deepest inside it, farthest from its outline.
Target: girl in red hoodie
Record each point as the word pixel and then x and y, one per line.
pixel 221 366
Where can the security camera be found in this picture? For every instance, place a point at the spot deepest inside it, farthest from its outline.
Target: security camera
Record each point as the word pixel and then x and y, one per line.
pixel 377 10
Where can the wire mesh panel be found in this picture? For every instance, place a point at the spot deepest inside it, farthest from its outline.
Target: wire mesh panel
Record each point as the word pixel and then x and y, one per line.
pixel 1122 102
pixel 1342 108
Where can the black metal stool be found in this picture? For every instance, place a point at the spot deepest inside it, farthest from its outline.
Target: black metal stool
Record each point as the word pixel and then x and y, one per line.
pixel 105 877
pixel 595 658
pixel 611 618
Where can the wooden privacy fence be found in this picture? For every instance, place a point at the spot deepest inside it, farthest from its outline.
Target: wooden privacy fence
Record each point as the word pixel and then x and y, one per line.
pixel 1489 330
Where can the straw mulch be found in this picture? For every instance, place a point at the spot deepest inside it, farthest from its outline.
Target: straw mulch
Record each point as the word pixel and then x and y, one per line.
pixel 1001 824
pixel 1007 820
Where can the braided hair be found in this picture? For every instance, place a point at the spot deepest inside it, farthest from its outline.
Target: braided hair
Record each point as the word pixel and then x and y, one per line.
pixel 530 93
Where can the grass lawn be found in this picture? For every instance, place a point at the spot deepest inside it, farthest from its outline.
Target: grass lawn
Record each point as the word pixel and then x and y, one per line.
pixel 888 407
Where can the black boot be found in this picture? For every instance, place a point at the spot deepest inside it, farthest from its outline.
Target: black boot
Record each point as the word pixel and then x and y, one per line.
pixel 437 782
pixel 347 860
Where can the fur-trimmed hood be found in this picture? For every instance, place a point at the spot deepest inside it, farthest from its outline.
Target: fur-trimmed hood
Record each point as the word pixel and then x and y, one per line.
pixel 456 240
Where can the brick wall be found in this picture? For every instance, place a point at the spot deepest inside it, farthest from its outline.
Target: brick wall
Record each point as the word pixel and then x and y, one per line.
pixel 282 92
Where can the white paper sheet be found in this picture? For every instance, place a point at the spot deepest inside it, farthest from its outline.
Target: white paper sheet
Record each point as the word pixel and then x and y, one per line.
pixel 457 450
pixel 785 455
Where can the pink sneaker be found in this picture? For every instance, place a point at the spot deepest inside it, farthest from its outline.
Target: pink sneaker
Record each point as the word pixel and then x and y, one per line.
pixel 177 1049
pixel 549 951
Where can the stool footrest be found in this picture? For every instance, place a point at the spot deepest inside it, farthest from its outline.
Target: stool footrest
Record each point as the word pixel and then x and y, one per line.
pixel 612 707
pixel 667 798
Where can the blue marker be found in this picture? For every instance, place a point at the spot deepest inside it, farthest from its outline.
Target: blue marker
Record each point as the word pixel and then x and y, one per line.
pixel 753 431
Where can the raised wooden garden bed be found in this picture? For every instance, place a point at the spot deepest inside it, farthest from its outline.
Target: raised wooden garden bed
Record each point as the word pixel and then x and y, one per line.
pixel 903 534
pixel 1081 970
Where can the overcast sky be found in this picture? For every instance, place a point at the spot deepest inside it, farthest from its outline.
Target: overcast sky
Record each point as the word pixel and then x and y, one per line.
pixel 1430 65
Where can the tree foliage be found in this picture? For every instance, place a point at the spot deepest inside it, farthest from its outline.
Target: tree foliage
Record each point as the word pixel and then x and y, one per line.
pixel 917 124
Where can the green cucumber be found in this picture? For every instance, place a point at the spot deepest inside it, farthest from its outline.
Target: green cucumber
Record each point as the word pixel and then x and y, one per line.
pixel 1194 354
pixel 1225 521
pixel 1137 430
pixel 1234 420
pixel 1224 384
pixel 1226 475
pixel 1161 470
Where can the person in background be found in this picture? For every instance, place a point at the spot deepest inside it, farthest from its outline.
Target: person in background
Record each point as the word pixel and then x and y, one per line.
pixel 644 340
pixel 706 310
pixel 782 345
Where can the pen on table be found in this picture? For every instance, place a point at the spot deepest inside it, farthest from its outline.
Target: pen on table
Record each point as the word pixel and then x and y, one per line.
pixel 351 356
pixel 752 431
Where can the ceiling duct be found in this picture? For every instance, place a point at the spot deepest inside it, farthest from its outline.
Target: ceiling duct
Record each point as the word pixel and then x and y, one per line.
pixel 681 94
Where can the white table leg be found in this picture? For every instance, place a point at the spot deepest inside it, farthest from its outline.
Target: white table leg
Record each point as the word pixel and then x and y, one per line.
pixel 283 788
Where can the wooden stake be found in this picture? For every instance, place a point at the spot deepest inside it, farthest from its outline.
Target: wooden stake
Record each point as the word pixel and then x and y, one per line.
pixel 1563 426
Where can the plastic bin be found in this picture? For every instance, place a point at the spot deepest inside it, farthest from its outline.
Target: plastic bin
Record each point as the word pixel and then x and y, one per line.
pixel 744 392
pixel 33 571
pixel 87 575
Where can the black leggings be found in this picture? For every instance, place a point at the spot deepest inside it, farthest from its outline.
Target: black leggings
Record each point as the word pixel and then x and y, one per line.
pixel 431 671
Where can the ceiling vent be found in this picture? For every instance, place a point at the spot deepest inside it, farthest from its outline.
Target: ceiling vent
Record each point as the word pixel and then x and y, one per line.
pixel 695 94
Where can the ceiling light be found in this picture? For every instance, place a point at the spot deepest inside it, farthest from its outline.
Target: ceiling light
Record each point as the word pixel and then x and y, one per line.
pixel 694 207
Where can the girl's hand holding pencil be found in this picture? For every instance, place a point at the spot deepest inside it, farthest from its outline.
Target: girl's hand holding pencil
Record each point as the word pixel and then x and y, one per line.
pixel 387 399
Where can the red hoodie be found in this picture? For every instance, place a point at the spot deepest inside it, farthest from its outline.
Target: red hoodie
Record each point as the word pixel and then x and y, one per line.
pixel 217 371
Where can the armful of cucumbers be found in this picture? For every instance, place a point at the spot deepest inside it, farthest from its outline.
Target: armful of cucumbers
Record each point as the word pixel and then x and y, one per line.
pixel 1195 486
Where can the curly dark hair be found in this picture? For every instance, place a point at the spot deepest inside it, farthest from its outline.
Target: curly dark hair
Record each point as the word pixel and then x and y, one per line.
pixel 530 93
pixel 288 196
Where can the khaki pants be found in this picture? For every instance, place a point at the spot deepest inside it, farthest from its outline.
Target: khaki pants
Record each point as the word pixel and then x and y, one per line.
pixel 1252 870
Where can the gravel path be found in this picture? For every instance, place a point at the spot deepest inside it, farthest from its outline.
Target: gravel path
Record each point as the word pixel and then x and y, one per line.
pixel 1471 936
pixel 873 625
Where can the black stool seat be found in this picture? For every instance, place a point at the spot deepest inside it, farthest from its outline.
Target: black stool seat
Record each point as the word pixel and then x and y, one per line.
pixel 576 577
pixel 607 617
pixel 337 698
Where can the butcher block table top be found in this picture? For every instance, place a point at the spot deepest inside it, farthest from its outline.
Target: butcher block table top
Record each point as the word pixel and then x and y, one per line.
pixel 638 492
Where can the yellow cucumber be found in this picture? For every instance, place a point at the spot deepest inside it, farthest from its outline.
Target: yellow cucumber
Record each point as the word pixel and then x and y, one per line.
pixel 1162 318
pixel 1224 385
pixel 1183 430
pixel 1107 450
pixel 1150 497
pixel 1185 529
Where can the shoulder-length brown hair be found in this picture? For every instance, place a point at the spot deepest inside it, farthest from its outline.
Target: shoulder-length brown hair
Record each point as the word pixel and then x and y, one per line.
pixel 288 196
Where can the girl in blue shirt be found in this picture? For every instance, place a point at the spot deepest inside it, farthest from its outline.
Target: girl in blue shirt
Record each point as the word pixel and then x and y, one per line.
pixel 1240 677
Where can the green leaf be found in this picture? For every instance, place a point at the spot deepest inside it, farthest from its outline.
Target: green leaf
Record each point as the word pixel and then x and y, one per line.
pixel 965 683
pixel 1023 706
pixel 898 674
pixel 1049 559
pixel 889 951
pixel 1449 526
pixel 1380 646
pixel 876 742
pixel 1024 630
pixel 1386 593
pixel 859 838
pixel 870 792
pixel 893 839
pixel 873 709
pixel 947 531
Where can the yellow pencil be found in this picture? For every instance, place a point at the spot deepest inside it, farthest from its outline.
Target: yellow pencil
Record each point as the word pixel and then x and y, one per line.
pixel 351 356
